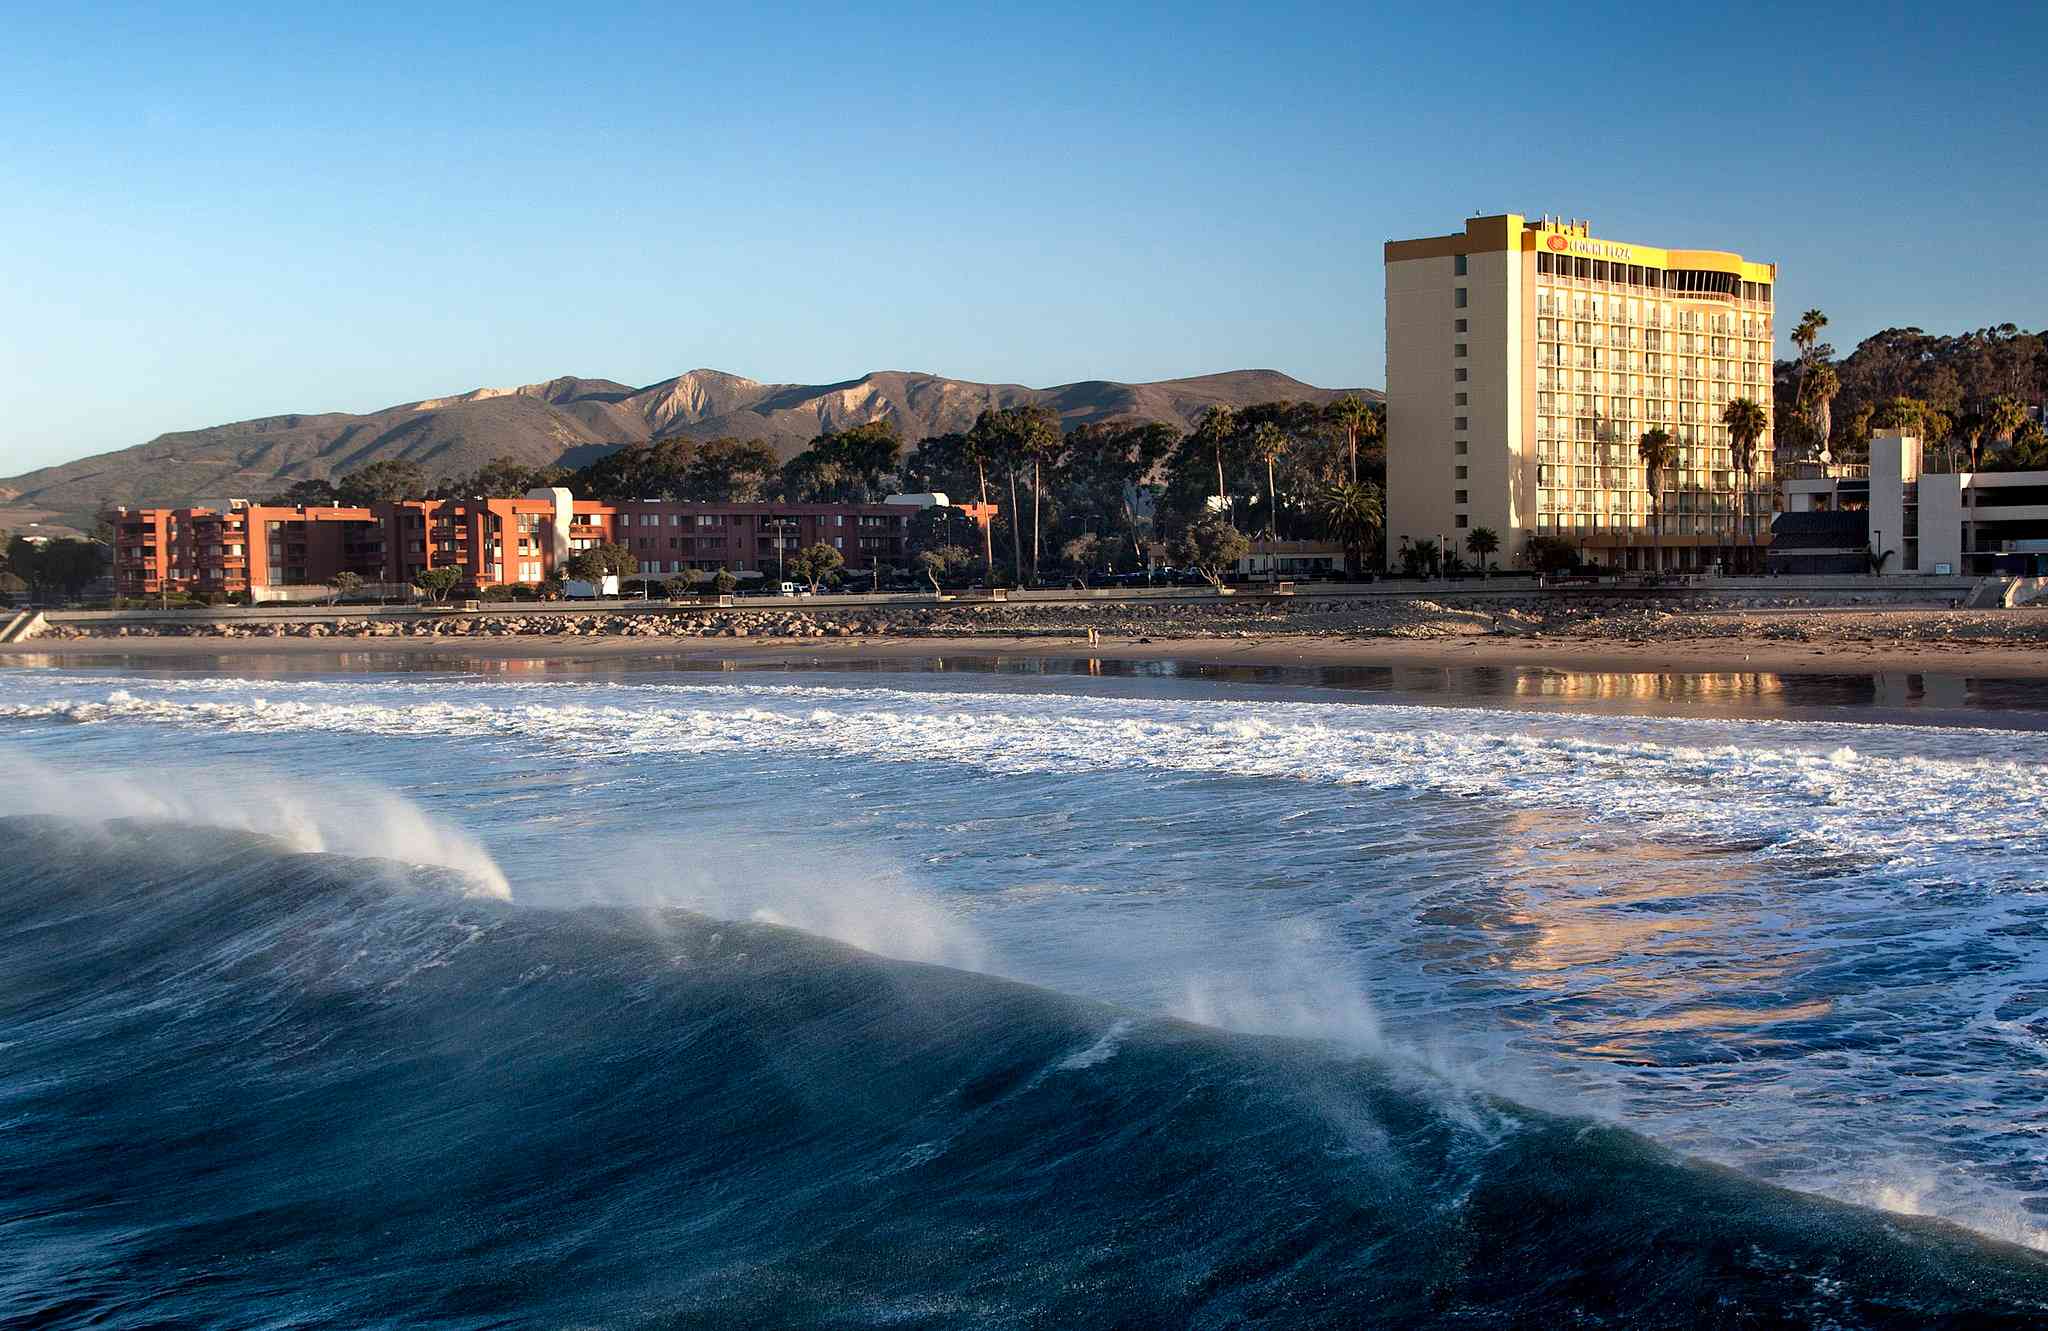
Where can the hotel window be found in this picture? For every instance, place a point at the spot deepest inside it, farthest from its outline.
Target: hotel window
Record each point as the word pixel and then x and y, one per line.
pixel 1543 262
pixel 1462 423
pixel 1460 448
pixel 1463 326
pixel 1461 399
pixel 1458 350
pixel 1461 520
pixel 1460 473
pixel 1458 297
pixel 1459 496
pixel 1458 268
pixel 1460 374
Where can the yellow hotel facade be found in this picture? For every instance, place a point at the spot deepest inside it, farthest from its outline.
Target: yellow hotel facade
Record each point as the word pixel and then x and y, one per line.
pixel 1525 359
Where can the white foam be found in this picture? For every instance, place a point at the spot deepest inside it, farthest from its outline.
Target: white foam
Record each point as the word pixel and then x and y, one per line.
pixel 1823 789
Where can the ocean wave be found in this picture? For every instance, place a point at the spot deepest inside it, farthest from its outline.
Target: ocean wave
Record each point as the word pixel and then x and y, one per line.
pixel 249 1086
pixel 1816 789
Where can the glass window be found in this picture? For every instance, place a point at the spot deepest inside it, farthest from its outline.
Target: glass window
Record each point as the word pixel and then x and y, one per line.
pixel 1458 298
pixel 1458 265
pixel 1462 423
pixel 1463 326
pixel 1458 350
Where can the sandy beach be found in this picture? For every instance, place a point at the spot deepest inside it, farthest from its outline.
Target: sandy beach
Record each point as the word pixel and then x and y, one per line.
pixel 1673 655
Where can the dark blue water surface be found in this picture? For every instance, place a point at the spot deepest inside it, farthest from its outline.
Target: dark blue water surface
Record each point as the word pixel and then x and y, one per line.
pixel 673 999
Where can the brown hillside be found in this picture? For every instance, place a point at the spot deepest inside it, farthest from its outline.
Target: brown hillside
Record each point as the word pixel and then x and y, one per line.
pixel 572 420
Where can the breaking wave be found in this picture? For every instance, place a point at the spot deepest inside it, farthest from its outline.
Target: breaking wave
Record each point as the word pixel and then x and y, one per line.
pixel 245 1085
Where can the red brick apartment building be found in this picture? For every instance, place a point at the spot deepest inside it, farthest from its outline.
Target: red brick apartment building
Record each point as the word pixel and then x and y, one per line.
pixel 256 547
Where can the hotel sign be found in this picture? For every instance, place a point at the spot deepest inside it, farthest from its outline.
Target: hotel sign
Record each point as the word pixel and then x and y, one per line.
pixel 1597 249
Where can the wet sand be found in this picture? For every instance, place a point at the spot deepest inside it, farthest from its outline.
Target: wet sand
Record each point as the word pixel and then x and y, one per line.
pixel 1678 656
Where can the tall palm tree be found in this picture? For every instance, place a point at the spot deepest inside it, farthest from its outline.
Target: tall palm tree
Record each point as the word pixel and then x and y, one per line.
pixel 1656 450
pixel 2002 419
pixel 1269 441
pixel 1746 421
pixel 1821 389
pixel 980 449
pixel 1038 438
pixel 1806 336
pixel 1353 515
pixel 1355 416
pixel 1218 423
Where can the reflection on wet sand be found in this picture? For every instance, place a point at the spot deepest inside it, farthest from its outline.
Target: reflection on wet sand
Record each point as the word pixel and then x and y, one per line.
pixel 2005 702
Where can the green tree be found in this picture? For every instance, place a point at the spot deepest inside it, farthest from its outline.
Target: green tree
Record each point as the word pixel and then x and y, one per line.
pixel 864 455
pixel 63 566
pixel 1746 421
pixel 1211 546
pixel 1552 554
pixel 1008 437
pixel 723 582
pixel 1081 554
pixel 939 526
pixel 729 471
pixel 382 482
pixel 815 563
pixel 1482 542
pixel 311 491
pixel 939 561
pixel 438 582
pixel 2002 419
pixel 1656 450
pixel 599 562
pixel 1353 515
pixel 656 470
pixel 2029 451
pixel 346 585
pixel 1107 465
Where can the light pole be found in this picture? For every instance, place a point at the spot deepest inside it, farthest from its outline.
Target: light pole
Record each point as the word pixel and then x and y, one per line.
pixel 781 526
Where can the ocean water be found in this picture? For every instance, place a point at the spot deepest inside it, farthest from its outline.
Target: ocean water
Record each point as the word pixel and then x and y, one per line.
pixel 679 999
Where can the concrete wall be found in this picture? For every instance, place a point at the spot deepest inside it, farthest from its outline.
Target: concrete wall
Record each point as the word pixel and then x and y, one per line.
pixel 1420 345
pixel 1941 522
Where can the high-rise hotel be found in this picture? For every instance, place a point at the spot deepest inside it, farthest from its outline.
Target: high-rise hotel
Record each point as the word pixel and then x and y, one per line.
pixel 1525 359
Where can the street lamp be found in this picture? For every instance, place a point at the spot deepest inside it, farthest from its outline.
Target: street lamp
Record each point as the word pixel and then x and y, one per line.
pixel 781 526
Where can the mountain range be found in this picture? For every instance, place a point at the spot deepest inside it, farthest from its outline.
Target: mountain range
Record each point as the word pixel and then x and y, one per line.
pixel 571 421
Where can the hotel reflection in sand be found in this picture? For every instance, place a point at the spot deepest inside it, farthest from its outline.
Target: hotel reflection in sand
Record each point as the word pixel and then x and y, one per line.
pixel 1758 687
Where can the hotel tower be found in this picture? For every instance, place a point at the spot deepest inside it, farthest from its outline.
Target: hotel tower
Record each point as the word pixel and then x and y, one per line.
pixel 1525 359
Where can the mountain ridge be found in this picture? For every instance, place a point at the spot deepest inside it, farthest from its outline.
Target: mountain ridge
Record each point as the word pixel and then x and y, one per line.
pixel 571 419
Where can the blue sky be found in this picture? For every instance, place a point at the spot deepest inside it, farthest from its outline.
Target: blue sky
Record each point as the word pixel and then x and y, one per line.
pixel 209 215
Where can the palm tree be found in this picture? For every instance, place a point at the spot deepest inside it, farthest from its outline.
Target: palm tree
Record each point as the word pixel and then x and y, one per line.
pixel 1269 441
pixel 1482 542
pixel 1746 421
pixel 1217 425
pixel 2002 419
pixel 1038 438
pixel 1353 515
pixel 1805 336
pixel 1355 416
pixel 1821 388
pixel 1656 450
pixel 980 449
pixel 1970 428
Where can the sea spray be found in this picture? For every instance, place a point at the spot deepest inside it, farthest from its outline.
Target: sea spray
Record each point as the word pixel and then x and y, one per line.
pixel 312 815
pixel 528 1117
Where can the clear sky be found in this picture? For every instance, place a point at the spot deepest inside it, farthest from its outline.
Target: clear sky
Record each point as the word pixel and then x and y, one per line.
pixel 209 213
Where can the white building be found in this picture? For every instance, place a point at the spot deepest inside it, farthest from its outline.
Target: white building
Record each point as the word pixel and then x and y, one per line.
pixel 1838 519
